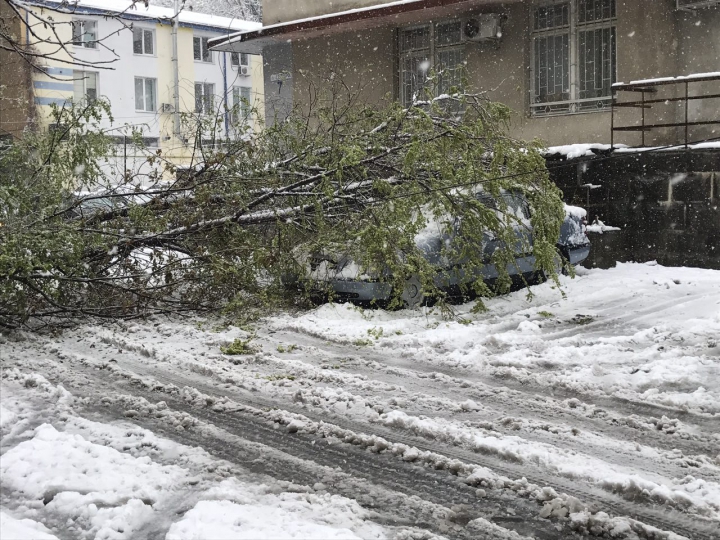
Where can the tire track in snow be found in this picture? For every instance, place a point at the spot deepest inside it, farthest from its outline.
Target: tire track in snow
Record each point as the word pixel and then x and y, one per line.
pixel 402 494
pixel 662 518
pixel 623 458
pixel 525 400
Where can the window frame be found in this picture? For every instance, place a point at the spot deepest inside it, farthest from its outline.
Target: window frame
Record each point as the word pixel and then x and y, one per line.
pixel 145 80
pixel 203 40
pixel 82 42
pixel 84 77
pixel 432 51
pixel 241 108
pixel 144 29
pixel 574 104
pixel 204 97
pixel 240 57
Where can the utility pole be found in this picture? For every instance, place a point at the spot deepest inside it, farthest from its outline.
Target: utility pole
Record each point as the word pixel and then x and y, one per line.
pixel 176 73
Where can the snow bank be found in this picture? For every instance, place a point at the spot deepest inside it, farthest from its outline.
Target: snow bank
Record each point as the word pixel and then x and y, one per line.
pixel 702 496
pixel 601 228
pixel 642 332
pixel 114 482
pixel 237 511
pixel 571 151
pixel 106 492
pixel 23 529
pixel 575 211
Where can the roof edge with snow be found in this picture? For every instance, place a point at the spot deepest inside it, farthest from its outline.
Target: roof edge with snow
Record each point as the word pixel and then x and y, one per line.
pixel 124 9
pixel 253 41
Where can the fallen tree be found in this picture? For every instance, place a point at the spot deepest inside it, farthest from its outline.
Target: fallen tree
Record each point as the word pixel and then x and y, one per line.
pixel 226 233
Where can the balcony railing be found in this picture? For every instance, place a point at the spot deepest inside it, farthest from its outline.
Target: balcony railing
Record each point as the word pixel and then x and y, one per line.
pixel 649 88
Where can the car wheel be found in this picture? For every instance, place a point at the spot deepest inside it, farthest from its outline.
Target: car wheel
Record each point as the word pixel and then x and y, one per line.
pixel 559 262
pixel 413 295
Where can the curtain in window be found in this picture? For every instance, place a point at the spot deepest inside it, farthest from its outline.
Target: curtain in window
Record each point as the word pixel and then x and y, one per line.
pixel 148 41
pixel 84 86
pixel 208 98
pixel 198 97
pixel 137 41
pixel 204 97
pixel 201 50
pixel 149 94
pixel 241 104
pixel 139 94
pixel 84 34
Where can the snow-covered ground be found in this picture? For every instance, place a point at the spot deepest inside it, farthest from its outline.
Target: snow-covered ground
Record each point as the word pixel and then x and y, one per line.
pixel 589 410
pixel 66 475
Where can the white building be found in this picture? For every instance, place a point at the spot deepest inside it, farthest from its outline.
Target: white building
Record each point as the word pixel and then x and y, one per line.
pixel 128 55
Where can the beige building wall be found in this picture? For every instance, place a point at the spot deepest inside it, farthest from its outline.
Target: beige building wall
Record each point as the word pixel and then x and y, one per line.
pixel 364 58
pixel 700 53
pixel 653 40
pixel 258 90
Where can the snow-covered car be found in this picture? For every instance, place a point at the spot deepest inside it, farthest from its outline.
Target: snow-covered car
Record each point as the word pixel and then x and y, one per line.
pixel 83 205
pixel 341 275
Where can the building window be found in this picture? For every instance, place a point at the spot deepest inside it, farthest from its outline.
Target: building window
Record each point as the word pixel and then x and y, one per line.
pixel 143 41
pixel 239 59
pixel 85 86
pixel 84 33
pixel 204 97
pixel 574 56
pixel 145 94
pixel 241 104
pixel 431 49
pixel 201 51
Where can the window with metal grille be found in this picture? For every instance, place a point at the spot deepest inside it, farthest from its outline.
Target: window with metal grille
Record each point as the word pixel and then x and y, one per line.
pixel 426 50
pixel 574 56
pixel 145 94
pixel 201 51
pixel 143 41
pixel 204 97
pixel 84 33
pixel 85 87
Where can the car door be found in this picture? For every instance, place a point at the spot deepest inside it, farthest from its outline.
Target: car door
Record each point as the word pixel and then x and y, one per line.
pixel 518 210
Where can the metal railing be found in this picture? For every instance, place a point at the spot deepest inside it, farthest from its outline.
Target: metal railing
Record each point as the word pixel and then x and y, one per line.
pixel 651 87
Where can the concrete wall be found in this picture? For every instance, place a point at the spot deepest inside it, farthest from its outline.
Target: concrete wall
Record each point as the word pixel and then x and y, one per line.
pixel 653 40
pixel 699 34
pixel 665 203
pixel 364 57
pixel 279 77
pixel 277 11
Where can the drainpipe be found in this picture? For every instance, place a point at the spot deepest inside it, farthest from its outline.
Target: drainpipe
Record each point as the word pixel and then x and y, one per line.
pixel 176 74
pixel 225 87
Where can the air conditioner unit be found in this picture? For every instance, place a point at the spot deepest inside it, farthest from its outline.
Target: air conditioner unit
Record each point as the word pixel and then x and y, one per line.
pixel 244 71
pixel 482 27
pixel 167 108
pixel 696 4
